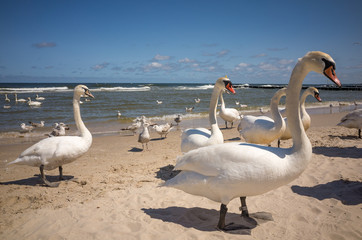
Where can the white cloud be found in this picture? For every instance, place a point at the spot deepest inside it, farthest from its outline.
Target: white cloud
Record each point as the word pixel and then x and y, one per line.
pixel 100 66
pixel 223 53
pixel 186 60
pixel 155 65
pixel 159 57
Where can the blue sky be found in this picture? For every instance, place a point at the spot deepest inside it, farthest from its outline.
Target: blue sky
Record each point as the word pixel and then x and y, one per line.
pixel 175 41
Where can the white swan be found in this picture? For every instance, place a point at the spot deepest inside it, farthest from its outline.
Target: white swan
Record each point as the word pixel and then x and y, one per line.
pixel 311 91
pixel 144 136
pixel 226 171
pixel 158 102
pixel 262 129
pixel 199 137
pixel 54 152
pixel 197 100
pixel 163 129
pixel 353 120
pixel 39 98
pixel 19 100
pixel 228 114
pixel 33 103
pixel 6 98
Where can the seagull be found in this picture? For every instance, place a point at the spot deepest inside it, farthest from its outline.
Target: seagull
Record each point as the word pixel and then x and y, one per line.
pixel 144 136
pixel 58 130
pixel 189 109
pixel 26 128
pixel 163 129
pixel 178 119
pixel 197 100
pixel 159 102
pixel 119 114
pixel 41 124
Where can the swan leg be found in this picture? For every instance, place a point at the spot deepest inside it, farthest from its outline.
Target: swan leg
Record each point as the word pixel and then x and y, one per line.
pixel 45 181
pixel 61 173
pixel 244 208
pixel 223 211
pixel 278 143
pixel 359 133
pixel 226 124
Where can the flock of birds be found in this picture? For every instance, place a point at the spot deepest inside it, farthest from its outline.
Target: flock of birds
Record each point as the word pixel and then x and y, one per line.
pixel 31 103
pixel 209 167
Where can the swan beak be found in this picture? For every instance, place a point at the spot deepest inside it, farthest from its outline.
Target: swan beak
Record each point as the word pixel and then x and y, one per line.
pixel 316 95
pixel 330 73
pixel 89 94
pixel 230 88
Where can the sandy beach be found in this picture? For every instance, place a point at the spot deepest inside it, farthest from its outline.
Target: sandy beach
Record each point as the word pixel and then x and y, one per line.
pixel 113 192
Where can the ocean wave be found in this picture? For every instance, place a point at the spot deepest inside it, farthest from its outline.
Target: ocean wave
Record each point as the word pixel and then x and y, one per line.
pixel 203 87
pixel 35 89
pixel 123 89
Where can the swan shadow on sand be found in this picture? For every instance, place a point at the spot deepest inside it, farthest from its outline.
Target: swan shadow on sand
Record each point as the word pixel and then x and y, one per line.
pixel 348 192
pixel 135 149
pixel 344 152
pixel 36 180
pixel 204 219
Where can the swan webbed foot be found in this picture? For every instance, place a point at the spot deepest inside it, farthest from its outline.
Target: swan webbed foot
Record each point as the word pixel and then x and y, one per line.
pixel 45 181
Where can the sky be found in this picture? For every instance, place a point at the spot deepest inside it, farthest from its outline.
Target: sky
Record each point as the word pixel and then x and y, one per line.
pixel 173 41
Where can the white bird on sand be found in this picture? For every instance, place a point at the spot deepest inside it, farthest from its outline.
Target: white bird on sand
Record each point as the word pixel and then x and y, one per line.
pixel 262 129
pixel 159 102
pixel 226 171
pixel 200 137
pixel 26 128
pixel 58 130
pixel 144 136
pixel 134 127
pixel 33 103
pixel 189 109
pixel 119 114
pixel 178 119
pixel 197 100
pixel 19 100
pixel 353 120
pixel 41 124
pixel 228 114
pixel 39 98
pixel 54 152
pixel 163 129
pixel 6 98
pixel 311 91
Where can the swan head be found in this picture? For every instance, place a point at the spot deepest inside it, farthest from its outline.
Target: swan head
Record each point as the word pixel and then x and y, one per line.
pixel 225 83
pixel 314 91
pixel 322 63
pixel 82 91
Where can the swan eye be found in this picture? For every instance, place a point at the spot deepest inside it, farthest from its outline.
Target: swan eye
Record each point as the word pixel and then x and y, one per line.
pixel 328 64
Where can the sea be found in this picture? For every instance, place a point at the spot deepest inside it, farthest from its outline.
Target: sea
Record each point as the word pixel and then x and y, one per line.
pixel 136 99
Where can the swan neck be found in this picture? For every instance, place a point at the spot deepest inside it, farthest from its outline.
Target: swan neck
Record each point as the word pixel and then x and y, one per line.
pixel 84 132
pixel 213 105
pixel 277 117
pixel 299 136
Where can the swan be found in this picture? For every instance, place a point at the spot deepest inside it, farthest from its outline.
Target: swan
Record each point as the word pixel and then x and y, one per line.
pixel 197 100
pixel 33 103
pixel 26 128
pixel 178 119
pixel 6 98
pixel 144 136
pixel 163 129
pixel 39 98
pixel 7 106
pixel 262 129
pixel 226 171
pixel 352 120
pixel 159 102
pixel 199 137
pixel 54 152
pixel 41 124
pixel 19 100
pixel 311 91
pixel 228 114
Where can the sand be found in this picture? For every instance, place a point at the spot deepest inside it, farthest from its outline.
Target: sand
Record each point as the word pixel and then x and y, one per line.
pixel 113 192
